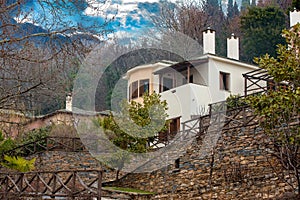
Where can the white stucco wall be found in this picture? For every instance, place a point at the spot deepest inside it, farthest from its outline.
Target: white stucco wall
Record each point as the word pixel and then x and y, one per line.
pixel 186 100
pixel 193 99
pixel 236 81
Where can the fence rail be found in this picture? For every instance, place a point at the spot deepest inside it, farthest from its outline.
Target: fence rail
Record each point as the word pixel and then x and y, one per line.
pixel 75 184
pixel 71 144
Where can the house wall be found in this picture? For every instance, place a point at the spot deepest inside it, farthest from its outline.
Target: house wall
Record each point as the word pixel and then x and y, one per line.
pixel 140 74
pixel 236 83
pixel 11 124
pixel 186 100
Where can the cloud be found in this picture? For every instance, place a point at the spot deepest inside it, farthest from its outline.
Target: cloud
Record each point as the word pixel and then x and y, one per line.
pixel 123 15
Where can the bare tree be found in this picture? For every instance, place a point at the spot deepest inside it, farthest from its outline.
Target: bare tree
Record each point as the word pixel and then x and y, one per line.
pixel 40 54
pixel 188 18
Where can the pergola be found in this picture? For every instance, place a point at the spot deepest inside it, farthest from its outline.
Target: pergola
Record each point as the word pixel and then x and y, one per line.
pixel 258 81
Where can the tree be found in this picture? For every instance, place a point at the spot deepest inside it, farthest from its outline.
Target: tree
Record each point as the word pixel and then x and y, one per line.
pixel 245 4
pixel 188 18
pixel 236 11
pixel 230 12
pixel 14 162
pixel 40 53
pixel 279 109
pixel 295 5
pixel 192 18
pixel 134 128
pixel 261 25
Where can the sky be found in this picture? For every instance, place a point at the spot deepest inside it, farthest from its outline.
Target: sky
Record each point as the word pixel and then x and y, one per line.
pixel 127 16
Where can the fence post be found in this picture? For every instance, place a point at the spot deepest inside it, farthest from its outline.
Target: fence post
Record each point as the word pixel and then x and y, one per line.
pixel 99 189
pixel 47 145
pixel 54 185
pixel 37 183
pixel 244 116
pixel 74 185
pixel 6 188
pixel 74 144
pixel 21 183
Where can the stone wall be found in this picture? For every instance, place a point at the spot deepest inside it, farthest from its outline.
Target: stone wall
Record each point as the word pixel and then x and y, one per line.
pixel 238 168
pixel 59 160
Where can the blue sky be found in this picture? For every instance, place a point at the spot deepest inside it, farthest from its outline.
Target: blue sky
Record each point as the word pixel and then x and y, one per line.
pixel 129 16
pixel 125 15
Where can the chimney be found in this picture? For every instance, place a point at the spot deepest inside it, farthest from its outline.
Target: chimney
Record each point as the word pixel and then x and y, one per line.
pixel 69 102
pixel 233 47
pixel 294 17
pixel 209 41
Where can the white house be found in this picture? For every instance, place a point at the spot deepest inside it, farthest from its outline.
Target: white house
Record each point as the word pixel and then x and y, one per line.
pixel 190 86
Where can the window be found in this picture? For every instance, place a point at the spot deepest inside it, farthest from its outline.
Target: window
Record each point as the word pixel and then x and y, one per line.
pixel 167 83
pixel 191 78
pixel 185 80
pixel 224 81
pixel 144 86
pixel 134 87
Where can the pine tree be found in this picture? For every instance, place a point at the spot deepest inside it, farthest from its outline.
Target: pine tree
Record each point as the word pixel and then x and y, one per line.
pixel 236 11
pixel 296 4
pixel 261 27
pixel 253 3
pixel 230 13
pixel 245 4
pixel 211 7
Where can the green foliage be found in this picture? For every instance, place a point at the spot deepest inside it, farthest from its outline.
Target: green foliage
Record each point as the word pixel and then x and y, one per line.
pixel 18 163
pixel 234 101
pixel 35 136
pixel 116 160
pixel 232 10
pixel 296 4
pixel 279 109
pixel 261 28
pixel 279 106
pixel 135 126
pixel 6 144
pixel 245 4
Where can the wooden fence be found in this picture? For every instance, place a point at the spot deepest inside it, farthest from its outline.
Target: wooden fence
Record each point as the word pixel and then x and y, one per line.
pixel 72 184
pixel 69 144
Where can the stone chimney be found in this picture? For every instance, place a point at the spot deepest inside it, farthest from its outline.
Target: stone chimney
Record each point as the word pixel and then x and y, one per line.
pixel 209 43
pixel 294 17
pixel 69 102
pixel 233 47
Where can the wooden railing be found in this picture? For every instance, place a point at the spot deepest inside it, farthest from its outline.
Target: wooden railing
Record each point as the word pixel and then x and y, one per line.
pixel 221 117
pixel 71 144
pixel 77 184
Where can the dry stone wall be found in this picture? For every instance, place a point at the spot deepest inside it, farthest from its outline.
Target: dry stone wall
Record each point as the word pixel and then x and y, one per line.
pixel 240 167
pixel 60 160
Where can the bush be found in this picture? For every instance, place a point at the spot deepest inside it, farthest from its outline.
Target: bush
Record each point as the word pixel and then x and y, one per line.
pixel 234 101
pixel 36 138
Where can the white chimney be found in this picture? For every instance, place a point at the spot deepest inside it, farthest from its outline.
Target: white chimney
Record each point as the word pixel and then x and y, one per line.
pixel 233 47
pixel 69 102
pixel 294 17
pixel 209 41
